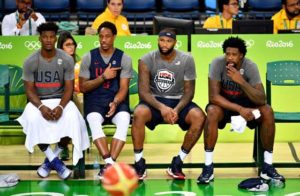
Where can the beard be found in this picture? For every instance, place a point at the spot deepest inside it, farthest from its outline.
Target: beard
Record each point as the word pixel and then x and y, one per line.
pixel 292 14
pixel 165 52
pixel 21 11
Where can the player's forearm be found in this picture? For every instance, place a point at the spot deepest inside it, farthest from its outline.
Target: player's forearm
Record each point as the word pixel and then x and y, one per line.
pixel 89 85
pixel 150 99
pixel 255 95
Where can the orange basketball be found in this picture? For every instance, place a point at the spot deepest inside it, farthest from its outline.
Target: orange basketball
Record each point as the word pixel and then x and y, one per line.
pixel 120 179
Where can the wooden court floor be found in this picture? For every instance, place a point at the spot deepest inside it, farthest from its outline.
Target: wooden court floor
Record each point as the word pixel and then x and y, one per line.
pixel 14 155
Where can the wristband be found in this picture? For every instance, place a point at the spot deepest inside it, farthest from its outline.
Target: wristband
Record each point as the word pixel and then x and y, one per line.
pixel 116 101
pixel 103 77
pixel 39 107
pixel 61 107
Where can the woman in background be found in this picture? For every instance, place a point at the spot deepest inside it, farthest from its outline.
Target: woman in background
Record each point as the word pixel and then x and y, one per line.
pixel 67 43
pixel 111 14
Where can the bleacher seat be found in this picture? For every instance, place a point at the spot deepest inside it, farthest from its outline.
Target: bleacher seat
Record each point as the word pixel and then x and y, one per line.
pixel 211 7
pixel 139 10
pixel 181 9
pixel 9 6
pixel 138 13
pixel 53 10
pixel 89 10
pixel 1 11
pixel 259 9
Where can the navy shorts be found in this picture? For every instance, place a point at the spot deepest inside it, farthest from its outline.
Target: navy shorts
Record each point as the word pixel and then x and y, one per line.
pixel 158 119
pixel 122 107
pixel 227 113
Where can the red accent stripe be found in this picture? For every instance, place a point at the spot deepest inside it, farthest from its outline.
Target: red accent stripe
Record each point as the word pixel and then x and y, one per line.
pixel 228 92
pixel 47 85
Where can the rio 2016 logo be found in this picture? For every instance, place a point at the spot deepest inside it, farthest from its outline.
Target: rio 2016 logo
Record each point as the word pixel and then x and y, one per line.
pixel 32 45
pixel 215 44
pixel 279 44
pixel 4 46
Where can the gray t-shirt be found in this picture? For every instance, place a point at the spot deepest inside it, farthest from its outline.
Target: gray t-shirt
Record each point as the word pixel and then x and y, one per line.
pixel 231 89
pixel 49 77
pixel 126 64
pixel 167 78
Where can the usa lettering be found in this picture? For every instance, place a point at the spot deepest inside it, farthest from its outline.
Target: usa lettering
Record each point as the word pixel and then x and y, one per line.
pixel 47 76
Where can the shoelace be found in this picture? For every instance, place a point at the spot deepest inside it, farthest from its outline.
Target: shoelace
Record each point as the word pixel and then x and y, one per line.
pixel 272 170
pixel 206 172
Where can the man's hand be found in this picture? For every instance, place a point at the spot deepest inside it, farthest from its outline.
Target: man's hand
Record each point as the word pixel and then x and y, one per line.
pixel 234 74
pixel 57 112
pixel 112 109
pixel 169 115
pixel 246 113
pixel 47 113
pixel 21 21
pixel 111 72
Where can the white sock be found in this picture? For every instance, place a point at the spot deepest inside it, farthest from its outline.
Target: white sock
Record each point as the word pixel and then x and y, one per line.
pixel 109 160
pixel 138 156
pixel 208 157
pixel 268 157
pixel 49 154
pixel 182 154
pixel 57 150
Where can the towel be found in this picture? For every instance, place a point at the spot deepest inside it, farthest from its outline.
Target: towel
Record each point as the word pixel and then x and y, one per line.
pixel 9 180
pixel 71 124
pixel 238 123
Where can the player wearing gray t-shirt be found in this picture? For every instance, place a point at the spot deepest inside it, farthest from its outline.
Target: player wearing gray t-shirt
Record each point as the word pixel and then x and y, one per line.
pixel 50 117
pixel 166 89
pixel 236 92
pixel 49 76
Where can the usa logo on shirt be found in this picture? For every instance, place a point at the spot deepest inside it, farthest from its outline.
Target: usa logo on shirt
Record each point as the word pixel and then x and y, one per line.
pixel 164 80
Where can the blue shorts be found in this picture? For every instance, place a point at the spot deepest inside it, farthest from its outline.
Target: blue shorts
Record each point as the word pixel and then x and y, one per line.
pixel 227 113
pixel 158 119
pixel 122 107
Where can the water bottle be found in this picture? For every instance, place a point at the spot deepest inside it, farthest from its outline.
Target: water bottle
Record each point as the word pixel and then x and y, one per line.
pixel 96 168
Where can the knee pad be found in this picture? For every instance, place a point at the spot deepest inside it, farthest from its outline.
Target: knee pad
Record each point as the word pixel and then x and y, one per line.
pixel 121 120
pixel 95 121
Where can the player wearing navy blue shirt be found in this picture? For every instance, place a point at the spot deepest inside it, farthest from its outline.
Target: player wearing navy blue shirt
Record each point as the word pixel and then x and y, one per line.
pixel 104 78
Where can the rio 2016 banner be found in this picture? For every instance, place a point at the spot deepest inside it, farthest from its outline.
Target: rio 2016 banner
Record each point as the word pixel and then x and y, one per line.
pixel 261 49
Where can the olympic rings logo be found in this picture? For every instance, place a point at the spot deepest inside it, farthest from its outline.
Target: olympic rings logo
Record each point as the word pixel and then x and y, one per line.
pixel 250 43
pixel 178 45
pixel 96 44
pixel 32 45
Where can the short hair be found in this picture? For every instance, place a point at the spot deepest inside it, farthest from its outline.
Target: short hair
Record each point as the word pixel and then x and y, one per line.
pixel 168 30
pixel 221 3
pixel 108 1
pixel 235 42
pixel 108 25
pixel 283 2
pixel 47 26
pixel 63 36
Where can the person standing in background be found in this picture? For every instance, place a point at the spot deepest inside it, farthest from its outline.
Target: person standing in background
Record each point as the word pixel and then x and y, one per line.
pixel 22 22
pixel 111 14
pixel 288 17
pixel 228 9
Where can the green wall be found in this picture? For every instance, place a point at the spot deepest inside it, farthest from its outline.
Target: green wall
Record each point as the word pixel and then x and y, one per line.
pixel 261 49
